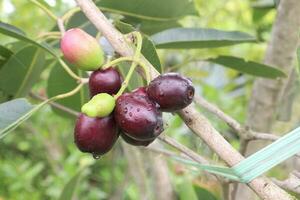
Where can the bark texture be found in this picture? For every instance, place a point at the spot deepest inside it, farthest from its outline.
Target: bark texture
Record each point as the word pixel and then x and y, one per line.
pixel 281 52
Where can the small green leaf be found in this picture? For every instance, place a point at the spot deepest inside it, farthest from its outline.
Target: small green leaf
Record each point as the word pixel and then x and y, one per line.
pixel 22 71
pixel 150 9
pixel 149 51
pixel 248 67
pixel 186 190
pixel 203 193
pixel 69 189
pixel 14 32
pixel 15 112
pixel 60 82
pixel 193 38
pixel 124 27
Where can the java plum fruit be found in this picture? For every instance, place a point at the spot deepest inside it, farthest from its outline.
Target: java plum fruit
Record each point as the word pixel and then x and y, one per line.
pixel 105 81
pixel 82 50
pixel 95 135
pixel 135 142
pixel 138 116
pixel 171 91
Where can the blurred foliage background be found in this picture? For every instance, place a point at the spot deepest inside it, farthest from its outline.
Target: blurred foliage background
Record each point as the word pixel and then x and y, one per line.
pixel 39 159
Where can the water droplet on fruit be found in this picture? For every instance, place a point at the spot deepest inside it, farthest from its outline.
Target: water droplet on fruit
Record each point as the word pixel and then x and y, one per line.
pixel 130 114
pixel 125 110
pixel 96 156
pixel 161 94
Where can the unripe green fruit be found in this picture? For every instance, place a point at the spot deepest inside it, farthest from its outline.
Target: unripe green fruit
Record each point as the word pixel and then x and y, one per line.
pixel 101 105
pixel 82 49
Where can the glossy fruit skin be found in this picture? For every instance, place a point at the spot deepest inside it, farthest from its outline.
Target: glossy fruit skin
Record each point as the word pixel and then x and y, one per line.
pixel 135 142
pixel 105 81
pixel 171 91
pixel 95 135
pixel 82 49
pixel 138 116
pixel 101 105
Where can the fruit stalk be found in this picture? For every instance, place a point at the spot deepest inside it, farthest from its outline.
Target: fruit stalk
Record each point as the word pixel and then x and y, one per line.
pixel 133 64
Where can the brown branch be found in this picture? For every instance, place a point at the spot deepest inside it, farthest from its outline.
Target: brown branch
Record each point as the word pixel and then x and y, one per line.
pixel 235 125
pixel 194 120
pixel 185 150
pixel 292 183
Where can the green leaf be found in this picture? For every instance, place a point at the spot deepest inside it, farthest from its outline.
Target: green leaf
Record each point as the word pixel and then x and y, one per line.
pixel 150 27
pixel 148 48
pixel 60 82
pixel 194 38
pixel 5 52
pixel 204 194
pixel 150 9
pixel 79 20
pixel 69 189
pixel 14 32
pixel 149 51
pixel 15 112
pixel 22 71
pixel 248 67
pixel 264 4
pixel 186 190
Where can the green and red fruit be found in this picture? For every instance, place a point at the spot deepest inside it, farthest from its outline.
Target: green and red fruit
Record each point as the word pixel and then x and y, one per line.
pixel 171 91
pixel 82 50
pixel 95 135
pixel 105 81
pixel 101 105
pixel 138 116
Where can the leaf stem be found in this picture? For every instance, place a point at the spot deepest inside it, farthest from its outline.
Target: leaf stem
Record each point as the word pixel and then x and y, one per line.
pixel 70 13
pixel 68 94
pixel 45 9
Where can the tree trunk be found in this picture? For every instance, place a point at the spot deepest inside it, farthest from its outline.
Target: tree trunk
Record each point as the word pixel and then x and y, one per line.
pixel 280 53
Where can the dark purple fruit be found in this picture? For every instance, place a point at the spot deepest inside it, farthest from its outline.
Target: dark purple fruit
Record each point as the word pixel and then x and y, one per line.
pixel 95 135
pixel 135 142
pixel 171 91
pixel 105 81
pixel 138 116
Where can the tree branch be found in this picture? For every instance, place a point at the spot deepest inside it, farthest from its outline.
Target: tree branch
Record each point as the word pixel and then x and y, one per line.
pixel 194 120
pixel 292 183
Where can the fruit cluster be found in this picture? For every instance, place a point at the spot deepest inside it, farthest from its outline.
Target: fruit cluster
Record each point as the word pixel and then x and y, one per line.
pixel 136 115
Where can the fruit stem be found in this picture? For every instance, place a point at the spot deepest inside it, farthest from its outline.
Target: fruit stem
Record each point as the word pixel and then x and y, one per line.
pixel 45 9
pixel 68 94
pixel 70 13
pixel 69 71
pixel 136 56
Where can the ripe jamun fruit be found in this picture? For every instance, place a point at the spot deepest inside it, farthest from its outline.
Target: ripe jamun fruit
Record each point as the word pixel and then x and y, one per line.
pixel 171 91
